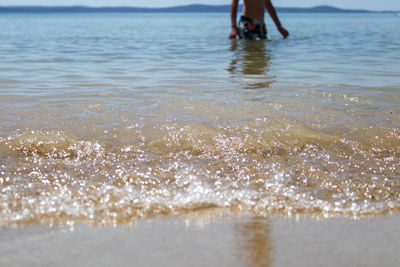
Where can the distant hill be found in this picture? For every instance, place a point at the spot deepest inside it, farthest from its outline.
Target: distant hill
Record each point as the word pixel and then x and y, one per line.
pixel 320 9
pixel 187 8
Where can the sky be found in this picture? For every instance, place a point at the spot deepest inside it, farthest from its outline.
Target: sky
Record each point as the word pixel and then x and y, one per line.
pixel 352 4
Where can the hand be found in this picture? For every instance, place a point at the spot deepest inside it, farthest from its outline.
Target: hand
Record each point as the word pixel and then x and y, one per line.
pixel 234 33
pixel 283 31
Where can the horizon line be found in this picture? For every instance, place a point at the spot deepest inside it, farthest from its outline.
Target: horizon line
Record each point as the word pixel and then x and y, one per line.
pixel 314 9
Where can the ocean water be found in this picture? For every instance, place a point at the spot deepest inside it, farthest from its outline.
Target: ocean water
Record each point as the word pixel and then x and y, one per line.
pixel 110 118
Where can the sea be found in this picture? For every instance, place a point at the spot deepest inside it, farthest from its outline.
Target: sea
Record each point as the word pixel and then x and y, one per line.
pixel 109 118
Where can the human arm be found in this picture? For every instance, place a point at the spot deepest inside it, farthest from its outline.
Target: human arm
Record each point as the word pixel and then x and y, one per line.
pixel 234 30
pixel 272 12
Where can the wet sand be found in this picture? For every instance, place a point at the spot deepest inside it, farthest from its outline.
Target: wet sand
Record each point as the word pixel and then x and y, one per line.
pixel 211 238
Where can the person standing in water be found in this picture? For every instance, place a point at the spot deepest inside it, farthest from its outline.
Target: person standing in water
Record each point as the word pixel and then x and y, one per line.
pixel 251 23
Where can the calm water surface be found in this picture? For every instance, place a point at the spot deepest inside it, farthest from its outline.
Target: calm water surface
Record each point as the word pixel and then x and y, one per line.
pixel 107 118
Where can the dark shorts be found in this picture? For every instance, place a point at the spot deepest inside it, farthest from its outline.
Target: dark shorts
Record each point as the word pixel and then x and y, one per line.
pixel 252 29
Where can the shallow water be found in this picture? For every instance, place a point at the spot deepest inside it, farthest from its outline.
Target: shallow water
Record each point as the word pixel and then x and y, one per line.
pixel 108 118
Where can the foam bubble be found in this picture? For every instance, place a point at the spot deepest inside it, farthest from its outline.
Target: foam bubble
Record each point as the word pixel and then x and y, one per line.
pixel 54 144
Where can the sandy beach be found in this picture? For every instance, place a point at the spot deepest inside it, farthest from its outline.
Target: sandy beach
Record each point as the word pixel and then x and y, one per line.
pixel 212 238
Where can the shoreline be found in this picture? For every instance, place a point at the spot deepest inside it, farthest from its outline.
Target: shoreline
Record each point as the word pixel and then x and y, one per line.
pixel 211 238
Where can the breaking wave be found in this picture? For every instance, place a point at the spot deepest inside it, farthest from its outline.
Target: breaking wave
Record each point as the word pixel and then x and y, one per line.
pixel 136 171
